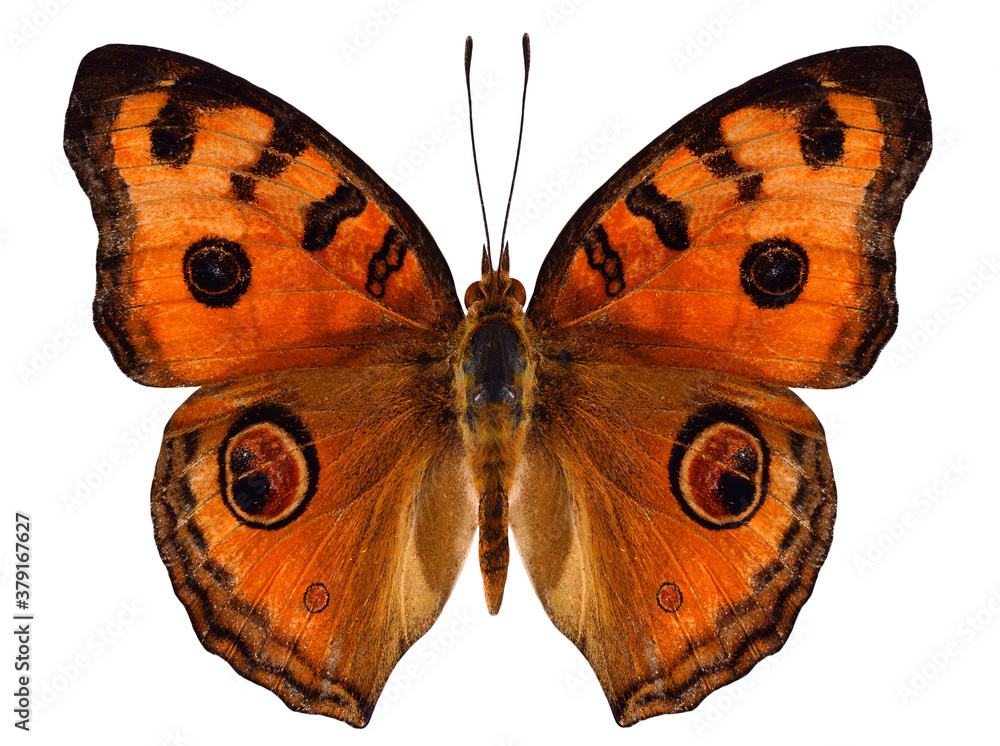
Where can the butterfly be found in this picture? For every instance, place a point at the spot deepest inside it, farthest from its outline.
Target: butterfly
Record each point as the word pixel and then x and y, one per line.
pixel 632 426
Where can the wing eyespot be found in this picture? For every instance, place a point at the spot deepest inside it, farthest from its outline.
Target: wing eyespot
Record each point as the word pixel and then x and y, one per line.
pixel 268 470
pixel 316 598
pixel 669 597
pixel 216 271
pixel 774 272
pixel 719 468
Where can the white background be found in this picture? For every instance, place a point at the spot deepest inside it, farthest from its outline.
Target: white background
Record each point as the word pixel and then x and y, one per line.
pixel 114 653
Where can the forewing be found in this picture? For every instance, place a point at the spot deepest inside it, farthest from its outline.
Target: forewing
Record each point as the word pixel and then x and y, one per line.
pixel 236 235
pixel 755 237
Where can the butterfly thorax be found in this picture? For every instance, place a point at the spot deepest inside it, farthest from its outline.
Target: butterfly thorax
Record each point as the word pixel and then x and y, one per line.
pixel 494 382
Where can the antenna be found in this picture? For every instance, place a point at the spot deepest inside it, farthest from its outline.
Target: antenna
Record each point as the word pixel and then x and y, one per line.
pixel 526 50
pixel 472 134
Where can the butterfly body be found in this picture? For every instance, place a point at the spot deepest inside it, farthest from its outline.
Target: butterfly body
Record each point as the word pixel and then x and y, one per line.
pixel 631 427
pixel 494 387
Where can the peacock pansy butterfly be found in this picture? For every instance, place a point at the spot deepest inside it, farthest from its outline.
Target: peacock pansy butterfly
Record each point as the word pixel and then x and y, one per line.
pixel 672 499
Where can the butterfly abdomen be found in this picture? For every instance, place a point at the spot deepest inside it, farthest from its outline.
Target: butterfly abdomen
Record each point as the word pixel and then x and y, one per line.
pixel 494 551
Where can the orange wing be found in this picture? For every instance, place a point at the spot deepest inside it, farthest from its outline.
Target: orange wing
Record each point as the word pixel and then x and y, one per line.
pixel 755 236
pixel 309 531
pixel 672 522
pixel 236 235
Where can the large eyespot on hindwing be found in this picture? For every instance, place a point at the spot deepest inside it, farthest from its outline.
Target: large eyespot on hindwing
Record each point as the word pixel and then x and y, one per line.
pixel 719 467
pixel 774 272
pixel 216 271
pixel 268 469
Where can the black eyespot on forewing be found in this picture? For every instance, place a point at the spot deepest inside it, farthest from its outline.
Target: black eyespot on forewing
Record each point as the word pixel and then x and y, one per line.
pixel 774 272
pixel 216 271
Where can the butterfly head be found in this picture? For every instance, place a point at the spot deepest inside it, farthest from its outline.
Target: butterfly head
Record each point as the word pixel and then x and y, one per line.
pixel 497 290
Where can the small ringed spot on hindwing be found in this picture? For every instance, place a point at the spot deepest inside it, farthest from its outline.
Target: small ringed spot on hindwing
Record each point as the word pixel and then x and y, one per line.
pixel 217 271
pixel 316 598
pixel 385 261
pixel 669 597
pixel 774 272
pixel 605 260
pixel 667 215
pixel 821 137
pixel 268 468
pixel 171 134
pixel 719 467
pixel 325 215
